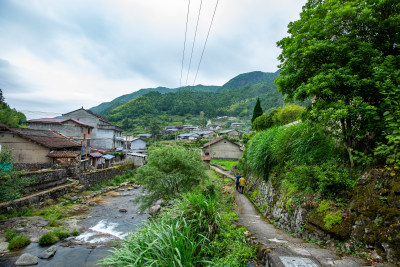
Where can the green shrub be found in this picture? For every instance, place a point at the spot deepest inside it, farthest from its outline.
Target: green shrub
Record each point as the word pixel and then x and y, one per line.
pixel 75 232
pixel 10 234
pixel 48 239
pixel 332 218
pixel 61 234
pixel 18 241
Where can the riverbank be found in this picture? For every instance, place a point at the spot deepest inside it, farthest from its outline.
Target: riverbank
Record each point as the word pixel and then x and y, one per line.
pixel 96 215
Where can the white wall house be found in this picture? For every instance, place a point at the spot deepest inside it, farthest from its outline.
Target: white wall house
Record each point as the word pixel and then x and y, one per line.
pixel 104 135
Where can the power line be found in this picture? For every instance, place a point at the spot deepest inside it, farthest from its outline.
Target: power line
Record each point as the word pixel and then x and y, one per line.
pixel 184 43
pixel 205 43
pixel 194 41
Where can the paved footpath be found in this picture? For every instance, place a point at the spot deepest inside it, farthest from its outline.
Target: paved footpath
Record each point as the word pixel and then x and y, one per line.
pixel 283 249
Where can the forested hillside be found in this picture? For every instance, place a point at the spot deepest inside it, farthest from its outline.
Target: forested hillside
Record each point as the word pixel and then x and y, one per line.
pixel 10 116
pixel 162 105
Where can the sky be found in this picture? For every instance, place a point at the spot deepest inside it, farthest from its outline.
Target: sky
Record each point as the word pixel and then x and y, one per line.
pixel 58 56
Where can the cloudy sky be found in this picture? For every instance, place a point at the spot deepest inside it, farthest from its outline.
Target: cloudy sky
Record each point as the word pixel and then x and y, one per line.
pixel 57 56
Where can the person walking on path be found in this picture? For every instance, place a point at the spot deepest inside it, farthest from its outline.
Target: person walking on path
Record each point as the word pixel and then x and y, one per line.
pixel 237 182
pixel 242 183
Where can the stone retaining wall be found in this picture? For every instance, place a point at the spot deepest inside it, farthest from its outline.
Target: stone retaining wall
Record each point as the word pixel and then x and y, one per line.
pixel 36 200
pixel 45 179
pixel 370 220
pixel 93 178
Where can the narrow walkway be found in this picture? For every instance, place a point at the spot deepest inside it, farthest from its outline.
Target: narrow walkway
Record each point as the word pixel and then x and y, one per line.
pixel 283 249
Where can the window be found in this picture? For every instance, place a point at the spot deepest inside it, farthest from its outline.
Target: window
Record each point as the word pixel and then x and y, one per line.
pixel 88 131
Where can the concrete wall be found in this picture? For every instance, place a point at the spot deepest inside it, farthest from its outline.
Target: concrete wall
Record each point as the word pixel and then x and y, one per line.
pixel 138 144
pixel 25 151
pixel 101 136
pixel 92 178
pixel 223 150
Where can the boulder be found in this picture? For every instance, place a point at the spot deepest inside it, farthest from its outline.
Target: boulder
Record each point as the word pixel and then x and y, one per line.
pixel 48 253
pixel 26 259
pixel 154 209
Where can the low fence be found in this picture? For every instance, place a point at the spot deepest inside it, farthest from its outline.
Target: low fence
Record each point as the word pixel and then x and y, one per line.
pixel 93 178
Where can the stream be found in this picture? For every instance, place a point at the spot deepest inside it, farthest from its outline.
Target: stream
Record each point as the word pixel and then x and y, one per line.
pixel 103 226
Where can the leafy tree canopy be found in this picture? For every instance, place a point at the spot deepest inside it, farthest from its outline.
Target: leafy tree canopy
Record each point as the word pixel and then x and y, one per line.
pixel 336 53
pixel 169 172
pixel 10 116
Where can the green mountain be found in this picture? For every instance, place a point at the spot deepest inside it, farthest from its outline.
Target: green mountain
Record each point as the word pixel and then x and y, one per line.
pixel 136 112
pixel 249 78
pixel 106 107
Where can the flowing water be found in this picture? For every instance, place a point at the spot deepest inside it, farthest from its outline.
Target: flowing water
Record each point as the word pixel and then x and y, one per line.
pixel 104 225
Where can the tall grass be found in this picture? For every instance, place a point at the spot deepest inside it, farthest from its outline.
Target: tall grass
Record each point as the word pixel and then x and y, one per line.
pixel 302 143
pixel 177 238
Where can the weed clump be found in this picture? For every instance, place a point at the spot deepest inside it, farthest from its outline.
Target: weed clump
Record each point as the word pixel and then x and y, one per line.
pixel 18 241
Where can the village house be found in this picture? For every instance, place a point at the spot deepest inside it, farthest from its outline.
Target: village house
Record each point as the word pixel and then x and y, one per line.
pixel 39 147
pixel 236 124
pixel 170 130
pixel 78 131
pixel 188 137
pixel 206 134
pixel 190 129
pixel 104 135
pixel 138 145
pixel 138 159
pixel 127 141
pixel 215 127
pixel 221 148
pixel 230 132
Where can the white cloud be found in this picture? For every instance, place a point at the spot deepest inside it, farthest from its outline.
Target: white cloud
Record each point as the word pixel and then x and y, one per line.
pixel 75 53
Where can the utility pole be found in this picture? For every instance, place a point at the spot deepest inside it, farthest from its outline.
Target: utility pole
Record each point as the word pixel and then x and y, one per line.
pixel 84 138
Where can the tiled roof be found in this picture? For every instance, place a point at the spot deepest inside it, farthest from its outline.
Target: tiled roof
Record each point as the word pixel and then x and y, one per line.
pixel 216 140
pixel 227 131
pixel 99 149
pixel 96 155
pixel 63 154
pixel 47 138
pixel 58 121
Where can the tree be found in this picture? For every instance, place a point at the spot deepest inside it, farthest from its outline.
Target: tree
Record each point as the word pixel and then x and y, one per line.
pixel 257 112
pixel 333 54
pixel 169 172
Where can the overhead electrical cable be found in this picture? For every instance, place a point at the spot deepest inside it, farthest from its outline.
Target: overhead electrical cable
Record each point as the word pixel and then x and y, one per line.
pixel 194 41
pixel 184 42
pixel 205 43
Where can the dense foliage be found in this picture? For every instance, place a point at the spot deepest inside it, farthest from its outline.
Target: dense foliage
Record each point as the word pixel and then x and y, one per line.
pixel 196 231
pixel 11 186
pixel 170 171
pixel 10 116
pixel 277 116
pixel 345 54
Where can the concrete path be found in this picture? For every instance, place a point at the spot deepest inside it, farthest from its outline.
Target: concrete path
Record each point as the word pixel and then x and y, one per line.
pixel 283 249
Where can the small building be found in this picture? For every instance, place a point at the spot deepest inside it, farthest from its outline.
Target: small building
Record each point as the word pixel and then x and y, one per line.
pixel 190 129
pixel 104 135
pixel 109 159
pixel 138 145
pixel 221 148
pixel 206 134
pixel 137 158
pixel 144 136
pixel 127 141
pixel 39 147
pixel 78 131
pixel 188 137
pixel 236 124
pixel 230 132
pixel 96 159
pixel 214 127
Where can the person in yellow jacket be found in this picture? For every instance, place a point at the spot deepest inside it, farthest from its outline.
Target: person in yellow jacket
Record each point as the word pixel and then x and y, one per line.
pixel 242 183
